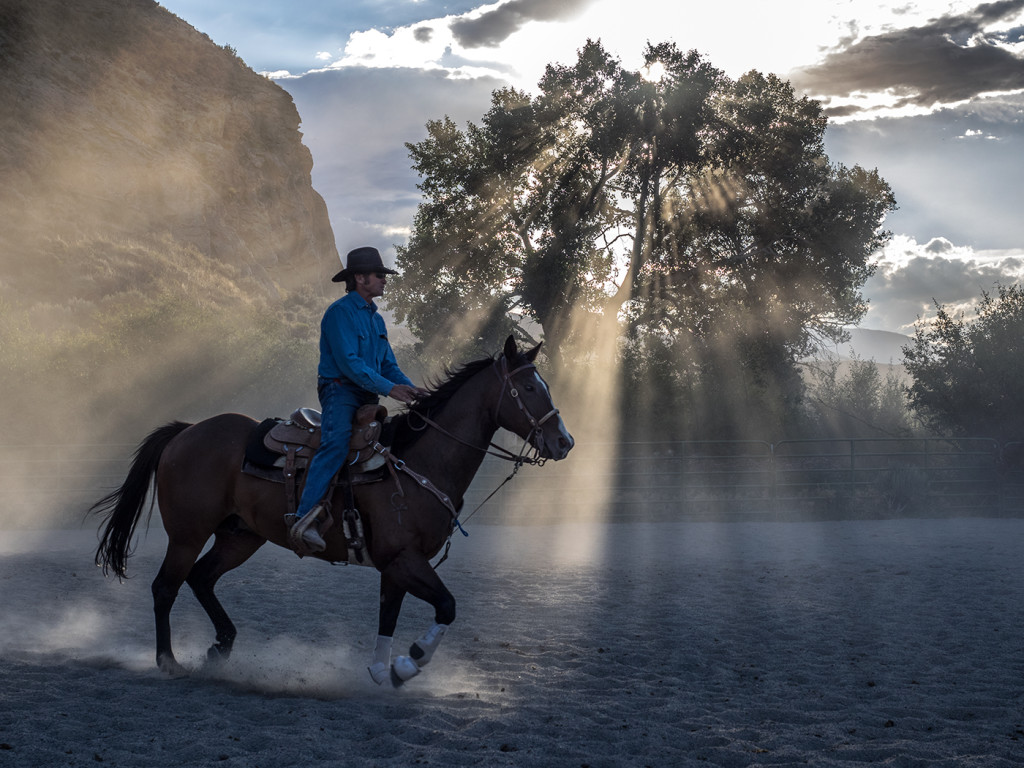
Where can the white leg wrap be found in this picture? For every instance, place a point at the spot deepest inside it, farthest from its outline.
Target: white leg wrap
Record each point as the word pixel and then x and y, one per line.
pixel 407 667
pixel 404 669
pixel 381 664
pixel 424 648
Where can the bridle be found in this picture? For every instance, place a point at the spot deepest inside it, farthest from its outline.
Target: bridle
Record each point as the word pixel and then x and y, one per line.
pixel 492 449
pixel 505 376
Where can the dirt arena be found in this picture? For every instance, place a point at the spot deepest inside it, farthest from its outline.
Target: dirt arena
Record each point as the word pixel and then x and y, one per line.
pixel 660 644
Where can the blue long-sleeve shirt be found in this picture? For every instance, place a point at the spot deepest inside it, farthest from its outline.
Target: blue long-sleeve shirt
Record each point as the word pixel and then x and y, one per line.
pixel 354 346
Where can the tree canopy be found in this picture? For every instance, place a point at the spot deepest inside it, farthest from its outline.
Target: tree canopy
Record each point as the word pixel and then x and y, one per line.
pixel 968 376
pixel 694 216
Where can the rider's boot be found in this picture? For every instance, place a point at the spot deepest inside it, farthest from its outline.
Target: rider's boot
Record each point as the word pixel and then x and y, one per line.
pixel 303 533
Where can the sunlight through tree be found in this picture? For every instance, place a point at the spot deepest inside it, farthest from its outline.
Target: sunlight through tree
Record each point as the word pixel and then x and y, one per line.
pixel 688 217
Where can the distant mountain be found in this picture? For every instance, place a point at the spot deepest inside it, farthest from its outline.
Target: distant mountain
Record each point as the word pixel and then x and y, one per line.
pixel 884 347
pixel 120 122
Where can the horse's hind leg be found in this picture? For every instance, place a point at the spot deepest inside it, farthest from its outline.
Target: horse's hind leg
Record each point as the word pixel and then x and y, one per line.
pixel 177 563
pixel 232 546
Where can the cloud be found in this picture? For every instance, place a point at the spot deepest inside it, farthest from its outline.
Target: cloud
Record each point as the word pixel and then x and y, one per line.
pixel 427 46
pixel 912 276
pixel 950 59
pixel 493 26
pixel 275 36
pixel 447 42
pixel 939 245
pixel 955 172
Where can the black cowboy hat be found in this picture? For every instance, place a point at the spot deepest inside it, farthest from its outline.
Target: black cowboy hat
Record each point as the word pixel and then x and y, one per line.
pixel 362 261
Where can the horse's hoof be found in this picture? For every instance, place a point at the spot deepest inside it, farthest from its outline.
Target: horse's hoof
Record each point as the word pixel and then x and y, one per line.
pixel 217 654
pixel 403 669
pixel 396 681
pixel 170 667
pixel 379 672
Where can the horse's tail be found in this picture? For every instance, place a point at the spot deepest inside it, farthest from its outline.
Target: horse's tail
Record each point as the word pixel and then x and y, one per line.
pixel 123 508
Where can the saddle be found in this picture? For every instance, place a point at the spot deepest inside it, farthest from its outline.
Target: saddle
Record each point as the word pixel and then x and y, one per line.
pixel 280 449
pixel 289 444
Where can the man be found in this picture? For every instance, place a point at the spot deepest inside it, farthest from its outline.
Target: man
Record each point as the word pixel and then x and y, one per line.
pixel 357 366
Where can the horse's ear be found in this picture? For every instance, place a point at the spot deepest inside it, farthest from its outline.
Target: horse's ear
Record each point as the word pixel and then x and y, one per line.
pixel 511 350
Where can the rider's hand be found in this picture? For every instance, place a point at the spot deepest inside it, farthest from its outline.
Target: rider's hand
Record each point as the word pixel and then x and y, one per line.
pixel 403 393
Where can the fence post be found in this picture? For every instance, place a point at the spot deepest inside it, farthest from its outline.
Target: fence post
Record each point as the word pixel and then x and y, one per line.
pixel 853 463
pixel 928 471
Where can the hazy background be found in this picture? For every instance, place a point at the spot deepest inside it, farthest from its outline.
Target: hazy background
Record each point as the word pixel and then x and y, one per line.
pixel 170 218
pixel 163 253
pixel 929 92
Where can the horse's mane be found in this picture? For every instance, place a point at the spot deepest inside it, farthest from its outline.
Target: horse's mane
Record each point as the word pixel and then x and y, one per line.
pixel 407 428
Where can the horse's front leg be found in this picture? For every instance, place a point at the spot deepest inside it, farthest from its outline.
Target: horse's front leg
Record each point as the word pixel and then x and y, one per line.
pixel 410 574
pixel 391 597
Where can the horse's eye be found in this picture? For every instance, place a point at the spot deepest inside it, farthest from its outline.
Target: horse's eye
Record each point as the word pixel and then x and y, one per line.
pixel 529 387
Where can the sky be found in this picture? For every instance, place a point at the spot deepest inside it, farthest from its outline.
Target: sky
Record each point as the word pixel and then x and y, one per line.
pixel 930 93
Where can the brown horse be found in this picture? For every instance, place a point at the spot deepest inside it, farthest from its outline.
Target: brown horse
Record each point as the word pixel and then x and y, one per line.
pixel 442 438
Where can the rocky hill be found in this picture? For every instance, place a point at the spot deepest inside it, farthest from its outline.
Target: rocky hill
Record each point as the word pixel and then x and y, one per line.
pixel 120 121
pixel 163 253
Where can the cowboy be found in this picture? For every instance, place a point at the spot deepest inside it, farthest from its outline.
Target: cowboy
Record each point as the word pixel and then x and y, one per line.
pixel 357 366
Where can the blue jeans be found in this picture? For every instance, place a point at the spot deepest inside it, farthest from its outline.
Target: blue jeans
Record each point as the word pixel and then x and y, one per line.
pixel 338 404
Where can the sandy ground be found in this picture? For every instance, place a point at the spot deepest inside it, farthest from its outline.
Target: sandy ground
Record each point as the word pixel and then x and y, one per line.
pixel 662 644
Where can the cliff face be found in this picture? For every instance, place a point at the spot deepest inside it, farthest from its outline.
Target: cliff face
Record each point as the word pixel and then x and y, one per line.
pixel 163 254
pixel 119 121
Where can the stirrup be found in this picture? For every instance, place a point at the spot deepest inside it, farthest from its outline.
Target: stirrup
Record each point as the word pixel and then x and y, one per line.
pixel 297 530
pixel 352 529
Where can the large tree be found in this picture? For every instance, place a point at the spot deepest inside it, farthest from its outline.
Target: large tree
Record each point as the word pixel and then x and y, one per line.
pixel 694 215
pixel 968 376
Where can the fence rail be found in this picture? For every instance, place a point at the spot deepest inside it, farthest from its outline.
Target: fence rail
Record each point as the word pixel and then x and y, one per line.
pixel 806 479
pixel 735 480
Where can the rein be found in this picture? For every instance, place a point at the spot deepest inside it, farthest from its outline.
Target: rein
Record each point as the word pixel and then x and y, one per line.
pixel 493 449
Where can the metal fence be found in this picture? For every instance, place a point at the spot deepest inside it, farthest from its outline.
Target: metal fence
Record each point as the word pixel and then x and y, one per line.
pixel 45 484
pixel 791 479
pixel 730 480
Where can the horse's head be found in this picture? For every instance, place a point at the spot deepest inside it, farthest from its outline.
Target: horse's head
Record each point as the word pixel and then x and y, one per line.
pixel 525 406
